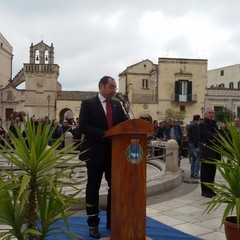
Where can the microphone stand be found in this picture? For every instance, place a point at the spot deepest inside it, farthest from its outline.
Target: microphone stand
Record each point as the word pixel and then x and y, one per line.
pixel 128 110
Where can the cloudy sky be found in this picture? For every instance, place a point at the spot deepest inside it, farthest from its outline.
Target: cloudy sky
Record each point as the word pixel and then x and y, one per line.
pixel 93 38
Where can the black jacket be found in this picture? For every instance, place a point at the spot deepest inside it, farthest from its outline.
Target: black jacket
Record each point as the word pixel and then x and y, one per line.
pixel 93 124
pixel 208 131
pixel 193 133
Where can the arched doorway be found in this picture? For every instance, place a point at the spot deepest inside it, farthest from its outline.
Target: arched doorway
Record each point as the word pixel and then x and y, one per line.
pixel 65 113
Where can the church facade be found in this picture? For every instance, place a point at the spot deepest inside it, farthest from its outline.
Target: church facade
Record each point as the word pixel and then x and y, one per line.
pixel 43 95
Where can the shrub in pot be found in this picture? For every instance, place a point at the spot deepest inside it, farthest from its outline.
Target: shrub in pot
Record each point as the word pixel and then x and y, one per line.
pixel 227 192
pixel 32 199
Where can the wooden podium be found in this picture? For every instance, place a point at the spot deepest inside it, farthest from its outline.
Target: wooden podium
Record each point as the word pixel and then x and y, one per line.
pixel 128 196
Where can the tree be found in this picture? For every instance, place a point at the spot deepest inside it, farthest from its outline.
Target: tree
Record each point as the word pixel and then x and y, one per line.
pixel 225 115
pixel 177 116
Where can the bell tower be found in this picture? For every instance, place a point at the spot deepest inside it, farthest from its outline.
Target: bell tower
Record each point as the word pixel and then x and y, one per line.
pixel 41 54
pixel 41 81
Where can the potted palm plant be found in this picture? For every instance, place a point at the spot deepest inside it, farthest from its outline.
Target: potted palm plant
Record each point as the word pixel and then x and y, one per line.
pixel 32 199
pixel 228 192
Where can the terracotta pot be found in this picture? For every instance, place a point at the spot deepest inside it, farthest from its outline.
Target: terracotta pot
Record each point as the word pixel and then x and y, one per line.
pixel 232 231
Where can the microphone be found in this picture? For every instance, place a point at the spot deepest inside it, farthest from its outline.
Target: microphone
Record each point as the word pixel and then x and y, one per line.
pixel 126 106
pixel 120 97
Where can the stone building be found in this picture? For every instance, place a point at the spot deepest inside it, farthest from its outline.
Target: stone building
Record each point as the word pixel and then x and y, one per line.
pixel 43 95
pixel 173 83
pixel 223 89
pixel 6 57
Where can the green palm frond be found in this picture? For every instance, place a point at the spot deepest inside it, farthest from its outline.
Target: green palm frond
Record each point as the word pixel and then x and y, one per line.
pixel 35 190
pixel 228 192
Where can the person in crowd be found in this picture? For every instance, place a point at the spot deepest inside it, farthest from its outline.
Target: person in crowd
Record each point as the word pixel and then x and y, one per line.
pixel 237 123
pixel 174 131
pixel 208 132
pixel 65 126
pixel 159 136
pixel 77 135
pixel 160 131
pixel 45 120
pixel 58 132
pixel 14 123
pixel 97 115
pixel 193 146
pixel 12 128
pixel 153 136
pixel 34 121
pixel 63 129
pixel 2 133
pixel 184 145
pixel 155 123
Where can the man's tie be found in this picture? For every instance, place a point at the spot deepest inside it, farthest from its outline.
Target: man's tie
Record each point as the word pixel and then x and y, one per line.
pixel 109 113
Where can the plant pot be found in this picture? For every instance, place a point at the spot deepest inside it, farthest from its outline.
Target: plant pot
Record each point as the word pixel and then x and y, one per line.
pixel 232 230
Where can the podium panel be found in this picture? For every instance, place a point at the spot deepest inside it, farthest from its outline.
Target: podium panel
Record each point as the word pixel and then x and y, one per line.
pixel 128 189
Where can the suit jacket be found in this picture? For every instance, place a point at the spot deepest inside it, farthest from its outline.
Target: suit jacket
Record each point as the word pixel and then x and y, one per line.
pixel 93 123
pixel 208 131
pixel 193 136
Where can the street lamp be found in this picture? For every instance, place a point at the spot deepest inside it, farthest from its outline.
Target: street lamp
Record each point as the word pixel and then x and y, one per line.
pixel 202 110
pixel 48 99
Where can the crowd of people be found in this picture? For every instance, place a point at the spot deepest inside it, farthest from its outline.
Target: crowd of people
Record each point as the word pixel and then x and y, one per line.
pixel 167 130
pixel 68 125
pixel 197 137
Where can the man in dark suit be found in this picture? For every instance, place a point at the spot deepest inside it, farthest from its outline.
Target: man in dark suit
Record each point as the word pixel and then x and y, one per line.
pixel 193 138
pixel 208 132
pixel 93 124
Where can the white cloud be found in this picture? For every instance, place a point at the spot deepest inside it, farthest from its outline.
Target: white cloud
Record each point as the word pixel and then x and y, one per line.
pixel 93 38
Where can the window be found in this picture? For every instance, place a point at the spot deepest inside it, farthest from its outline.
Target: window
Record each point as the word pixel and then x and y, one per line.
pixel 231 85
pixel 222 73
pixel 9 95
pixel 46 57
pixel 183 91
pixel 238 85
pixel 182 109
pixel 183 87
pixel 37 57
pixel 145 83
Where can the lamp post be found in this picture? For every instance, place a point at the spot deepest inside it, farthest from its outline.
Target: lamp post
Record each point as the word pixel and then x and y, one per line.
pixel 48 99
pixel 202 110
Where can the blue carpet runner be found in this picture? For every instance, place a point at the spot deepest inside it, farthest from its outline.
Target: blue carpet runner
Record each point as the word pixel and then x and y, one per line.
pixel 154 229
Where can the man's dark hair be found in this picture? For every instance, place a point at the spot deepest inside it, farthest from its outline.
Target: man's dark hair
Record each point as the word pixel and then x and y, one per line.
pixel 104 80
pixel 196 117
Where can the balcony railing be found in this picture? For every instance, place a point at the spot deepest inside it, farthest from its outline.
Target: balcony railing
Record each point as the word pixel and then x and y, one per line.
pixel 145 98
pixel 184 97
pixel 41 67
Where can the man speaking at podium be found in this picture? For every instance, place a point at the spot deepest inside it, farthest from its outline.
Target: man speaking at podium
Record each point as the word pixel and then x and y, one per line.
pixel 97 115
